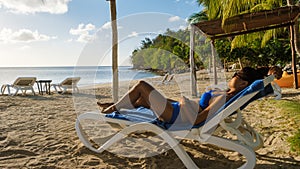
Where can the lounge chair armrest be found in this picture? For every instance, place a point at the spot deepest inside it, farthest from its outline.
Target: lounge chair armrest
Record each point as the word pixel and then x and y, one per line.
pixel 268 80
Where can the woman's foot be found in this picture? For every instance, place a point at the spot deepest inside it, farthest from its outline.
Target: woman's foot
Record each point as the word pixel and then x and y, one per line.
pixel 104 105
pixel 106 108
pixel 109 109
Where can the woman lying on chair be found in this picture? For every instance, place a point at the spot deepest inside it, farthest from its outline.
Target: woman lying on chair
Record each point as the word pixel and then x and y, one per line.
pixel 185 110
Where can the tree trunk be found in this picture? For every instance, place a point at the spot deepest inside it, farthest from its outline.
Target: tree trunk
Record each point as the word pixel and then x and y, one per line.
pixel 192 62
pixel 294 31
pixel 297 37
pixel 113 13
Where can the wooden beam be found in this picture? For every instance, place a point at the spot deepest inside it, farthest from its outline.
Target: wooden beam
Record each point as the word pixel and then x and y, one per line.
pixel 250 31
pixel 250 22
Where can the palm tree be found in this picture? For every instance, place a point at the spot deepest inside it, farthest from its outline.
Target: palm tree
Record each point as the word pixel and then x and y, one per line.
pixel 197 17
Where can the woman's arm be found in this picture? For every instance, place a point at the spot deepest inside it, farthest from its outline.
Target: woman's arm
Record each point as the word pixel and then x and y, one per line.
pixel 215 104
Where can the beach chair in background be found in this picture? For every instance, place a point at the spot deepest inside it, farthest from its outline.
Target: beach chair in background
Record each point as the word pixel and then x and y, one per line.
pixel 20 84
pixel 167 78
pixel 245 139
pixel 68 83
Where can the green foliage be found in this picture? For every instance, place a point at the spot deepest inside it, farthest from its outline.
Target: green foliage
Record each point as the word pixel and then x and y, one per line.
pixel 276 51
pixel 291 110
pixel 169 52
pixel 295 142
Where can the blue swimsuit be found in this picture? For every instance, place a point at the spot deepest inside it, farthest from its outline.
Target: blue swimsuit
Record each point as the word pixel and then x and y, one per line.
pixel 203 103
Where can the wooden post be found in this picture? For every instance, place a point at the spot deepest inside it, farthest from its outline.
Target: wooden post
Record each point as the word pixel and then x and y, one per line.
pixel 294 62
pixel 192 62
pixel 115 71
pixel 240 63
pixel 214 65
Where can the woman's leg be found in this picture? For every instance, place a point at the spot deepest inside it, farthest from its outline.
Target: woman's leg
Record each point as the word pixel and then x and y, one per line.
pixel 138 103
pixel 143 94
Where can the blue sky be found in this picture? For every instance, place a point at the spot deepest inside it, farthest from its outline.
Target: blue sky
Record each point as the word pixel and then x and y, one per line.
pixel 77 32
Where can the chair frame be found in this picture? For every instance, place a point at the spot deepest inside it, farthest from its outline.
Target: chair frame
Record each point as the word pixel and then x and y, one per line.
pixel 19 87
pixel 63 87
pixel 247 140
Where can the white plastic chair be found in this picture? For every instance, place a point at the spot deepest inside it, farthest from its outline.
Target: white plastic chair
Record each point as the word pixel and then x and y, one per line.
pixel 20 84
pixel 68 83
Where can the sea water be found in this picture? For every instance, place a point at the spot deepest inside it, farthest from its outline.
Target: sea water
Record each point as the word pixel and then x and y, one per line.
pixel 90 75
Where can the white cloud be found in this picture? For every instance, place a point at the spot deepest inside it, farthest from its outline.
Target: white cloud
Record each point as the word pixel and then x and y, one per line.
pixel 84 32
pixel 182 27
pixel 82 29
pixel 22 35
pixel 174 18
pixel 133 34
pixel 34 6
pixel 107 25
pixel 85 38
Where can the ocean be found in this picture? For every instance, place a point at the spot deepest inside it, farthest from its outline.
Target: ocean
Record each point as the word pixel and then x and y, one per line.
pixel 90 75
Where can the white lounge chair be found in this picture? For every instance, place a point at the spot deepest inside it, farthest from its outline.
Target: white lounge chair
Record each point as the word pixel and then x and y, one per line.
pixel 227 118
pixel 20 84
pixel 68 83
pixel 166 80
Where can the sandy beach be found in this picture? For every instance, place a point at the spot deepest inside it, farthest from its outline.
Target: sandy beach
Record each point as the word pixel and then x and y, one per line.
pixel 38 132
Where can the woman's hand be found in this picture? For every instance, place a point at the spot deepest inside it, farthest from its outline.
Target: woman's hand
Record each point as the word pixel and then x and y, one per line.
pixel 188 110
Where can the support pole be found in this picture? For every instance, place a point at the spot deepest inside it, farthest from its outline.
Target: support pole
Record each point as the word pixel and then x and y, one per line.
pixel 115 70
pixel 294 60
pixel 192 62
pixel 214 65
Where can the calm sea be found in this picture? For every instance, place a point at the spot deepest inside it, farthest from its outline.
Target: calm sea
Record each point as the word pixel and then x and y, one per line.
pixel 90 75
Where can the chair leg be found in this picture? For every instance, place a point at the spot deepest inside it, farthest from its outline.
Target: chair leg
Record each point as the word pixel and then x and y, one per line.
pixel 3 87
pixel 244 132
pixel 8 90
pixel 17 90
pixel 54 86
pixel 23 91
pixel 75 89
pixel 32 91
pixel 243 149
pixel 64 90
pixel 184 157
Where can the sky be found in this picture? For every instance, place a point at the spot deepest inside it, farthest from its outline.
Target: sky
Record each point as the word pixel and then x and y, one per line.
pixel 78 32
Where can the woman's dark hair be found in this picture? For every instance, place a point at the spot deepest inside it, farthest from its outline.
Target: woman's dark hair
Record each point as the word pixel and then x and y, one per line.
pixel 248 74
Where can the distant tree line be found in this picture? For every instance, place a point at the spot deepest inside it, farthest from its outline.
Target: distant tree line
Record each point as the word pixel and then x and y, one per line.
pixel 170 52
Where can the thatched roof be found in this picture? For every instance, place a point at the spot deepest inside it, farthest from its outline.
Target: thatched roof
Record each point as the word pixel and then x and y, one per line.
pixel 250 22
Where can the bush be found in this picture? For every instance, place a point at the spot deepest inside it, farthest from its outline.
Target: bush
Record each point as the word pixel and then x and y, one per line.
pixel 295 142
